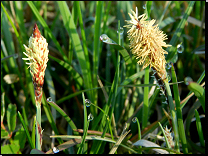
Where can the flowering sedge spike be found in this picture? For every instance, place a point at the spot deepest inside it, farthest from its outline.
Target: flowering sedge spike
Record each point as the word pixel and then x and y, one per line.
pixel 37 54
pixel 146 42
pixel 169 137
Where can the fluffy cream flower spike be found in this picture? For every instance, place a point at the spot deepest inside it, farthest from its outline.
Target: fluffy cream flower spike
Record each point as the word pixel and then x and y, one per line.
pixel 37 54
pixel 146 42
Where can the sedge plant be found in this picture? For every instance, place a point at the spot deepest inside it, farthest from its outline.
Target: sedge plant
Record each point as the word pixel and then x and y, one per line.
pixel 146 43
pixel 37 55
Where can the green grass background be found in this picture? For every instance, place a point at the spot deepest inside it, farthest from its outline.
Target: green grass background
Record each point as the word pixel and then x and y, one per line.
pixel 82 67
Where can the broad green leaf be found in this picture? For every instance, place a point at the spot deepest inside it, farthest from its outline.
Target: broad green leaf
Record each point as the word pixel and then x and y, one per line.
pixel 11 117
pixel 20 138
pixel 10 149
pixel 199 91
pixel 4 134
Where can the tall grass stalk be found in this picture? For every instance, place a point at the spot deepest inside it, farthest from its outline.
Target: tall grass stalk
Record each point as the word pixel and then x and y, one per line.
pixel 173 115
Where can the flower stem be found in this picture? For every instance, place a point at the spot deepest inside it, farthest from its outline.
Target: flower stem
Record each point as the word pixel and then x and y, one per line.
pixel 38 97
pixel 145 109
pixel 38 127
pixel 173 115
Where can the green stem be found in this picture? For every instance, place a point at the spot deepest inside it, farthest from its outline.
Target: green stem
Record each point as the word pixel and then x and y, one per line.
pixel 83 140
pixel 38 126
pixel 139 134
pixel 145 109
pixel 173 115
pixel 182 135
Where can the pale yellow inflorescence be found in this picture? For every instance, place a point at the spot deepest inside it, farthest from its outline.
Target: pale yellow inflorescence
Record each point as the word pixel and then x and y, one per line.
pixel 37 54
pixel 169 137
pixel 146 42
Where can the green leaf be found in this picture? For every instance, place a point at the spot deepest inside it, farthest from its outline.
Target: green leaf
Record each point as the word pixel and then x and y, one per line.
pixel 199 128
pixel 86 125
pixel 166 22
pixel 33 132
pixel 96 52
pixel 49 116
pixel 171 50
pixel 173 115
pixel 4 134
pixel 26 130
pixel 199 92
pixel 104 38
pixel 71 29
pixel 10 149
pixel 2 107
pixel 75 139
pixel 179 111
pixel 198 81
pixel 67 66
pixel 67 118
pixel 20 138
pixel 148 7
pixel 11 117
pixel 197 89
pixel 166 140
pixel 36 151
